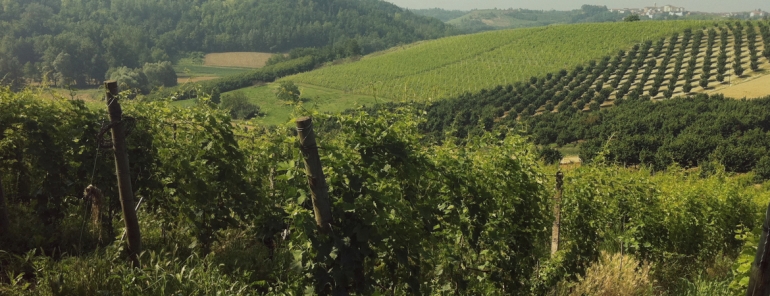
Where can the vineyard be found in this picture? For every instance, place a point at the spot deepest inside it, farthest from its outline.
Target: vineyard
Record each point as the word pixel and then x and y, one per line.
pixel 451 66
pixel 225 207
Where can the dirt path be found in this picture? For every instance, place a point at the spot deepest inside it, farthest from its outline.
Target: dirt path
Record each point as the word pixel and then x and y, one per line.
pixel 754 88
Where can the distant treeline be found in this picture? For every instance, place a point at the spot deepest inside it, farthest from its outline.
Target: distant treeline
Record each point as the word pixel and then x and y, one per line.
pixel 76 42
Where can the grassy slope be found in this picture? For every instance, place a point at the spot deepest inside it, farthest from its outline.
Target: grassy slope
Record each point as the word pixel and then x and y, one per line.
pixel 193 70
pixel 453 65
pixel 313 98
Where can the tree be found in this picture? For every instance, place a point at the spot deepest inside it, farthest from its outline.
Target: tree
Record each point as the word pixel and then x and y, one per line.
pixel 632 18
pixel 159 74
pixel 288 91
pixel 704 81
pixel 237 103
pixel 129 79
pixel 65 67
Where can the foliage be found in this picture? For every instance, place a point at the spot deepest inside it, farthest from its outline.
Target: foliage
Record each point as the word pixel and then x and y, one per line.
pixel 238 105
pixel 673 221
pixel 762 169
pixel 159 74
pixel 129 79
pixel 288 91
pixel 683 131
pixel 631 18
pixel 550 155
pixel 74 43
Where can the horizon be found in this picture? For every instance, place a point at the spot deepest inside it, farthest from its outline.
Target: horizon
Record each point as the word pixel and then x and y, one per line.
pixel 710 6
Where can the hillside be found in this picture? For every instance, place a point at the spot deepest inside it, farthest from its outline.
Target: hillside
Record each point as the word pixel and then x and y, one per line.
pixel 80 40
pixel 454 65
pixel 728 57
pixel 493 19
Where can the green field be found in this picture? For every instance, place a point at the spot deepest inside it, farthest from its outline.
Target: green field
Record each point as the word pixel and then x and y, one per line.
pixel 188 70
pixel 313 98
pixel 454 65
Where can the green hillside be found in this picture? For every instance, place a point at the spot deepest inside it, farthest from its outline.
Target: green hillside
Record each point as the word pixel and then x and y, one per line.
pixel 76 42
pixel 492 19
pixel 455 65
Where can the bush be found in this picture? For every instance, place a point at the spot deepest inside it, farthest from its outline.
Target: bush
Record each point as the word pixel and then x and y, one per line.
pixel 762 169
pixel 238 105
pixel 288 91
pixel 550 155
pixel 129 79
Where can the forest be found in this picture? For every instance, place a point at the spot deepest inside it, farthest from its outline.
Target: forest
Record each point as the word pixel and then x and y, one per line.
pixel 77 42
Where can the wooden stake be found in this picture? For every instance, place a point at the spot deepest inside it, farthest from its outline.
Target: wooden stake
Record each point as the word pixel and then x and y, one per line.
pixel 315 175
pixel 123 172
pixel 4 221
pixel 759 282
pixel 555 235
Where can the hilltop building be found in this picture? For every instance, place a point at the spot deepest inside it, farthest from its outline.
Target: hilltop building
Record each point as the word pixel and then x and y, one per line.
pixel 758 13
pixel 652 11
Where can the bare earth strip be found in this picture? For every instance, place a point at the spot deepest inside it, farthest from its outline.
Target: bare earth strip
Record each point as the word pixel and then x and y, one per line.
pixel 755 88
pixel 237 59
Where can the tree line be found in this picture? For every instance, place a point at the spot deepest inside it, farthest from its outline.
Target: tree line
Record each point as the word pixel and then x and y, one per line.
pixel 77 42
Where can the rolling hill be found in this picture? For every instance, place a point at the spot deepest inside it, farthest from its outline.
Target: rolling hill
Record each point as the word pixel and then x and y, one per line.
pixel 454 65
pixel 722 58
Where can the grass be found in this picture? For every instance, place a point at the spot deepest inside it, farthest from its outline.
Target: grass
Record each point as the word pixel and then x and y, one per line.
pixel 192 70
pixel 313 98
pixel 468 63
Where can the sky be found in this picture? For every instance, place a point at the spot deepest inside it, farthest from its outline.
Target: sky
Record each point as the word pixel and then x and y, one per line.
pixel 690 5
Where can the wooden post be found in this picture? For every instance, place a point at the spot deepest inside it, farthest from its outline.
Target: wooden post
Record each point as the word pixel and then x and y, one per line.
pixel 124 177
pixel 315 175
pixel 4 221
pixel 759 282
pixel 555 236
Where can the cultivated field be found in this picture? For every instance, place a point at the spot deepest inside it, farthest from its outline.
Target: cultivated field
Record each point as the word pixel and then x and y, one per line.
pixel 469 63
pixel 237 59
pixel 188 72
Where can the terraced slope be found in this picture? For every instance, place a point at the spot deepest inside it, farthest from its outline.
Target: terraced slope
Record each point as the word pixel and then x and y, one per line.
pixel 455 65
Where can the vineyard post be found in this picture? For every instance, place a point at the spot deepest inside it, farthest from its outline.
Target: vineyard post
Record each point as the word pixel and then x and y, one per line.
pixel 315 175
pixel 4 221
pixel 122 169
pixel 759 282
pixel 555 236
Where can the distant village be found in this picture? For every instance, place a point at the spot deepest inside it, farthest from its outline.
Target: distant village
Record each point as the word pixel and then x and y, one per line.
pixel 669 10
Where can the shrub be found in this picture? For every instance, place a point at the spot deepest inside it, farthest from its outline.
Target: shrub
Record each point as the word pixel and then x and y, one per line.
pixel 550 155
pixel 237 103
pixel 762 169
pixel 288 91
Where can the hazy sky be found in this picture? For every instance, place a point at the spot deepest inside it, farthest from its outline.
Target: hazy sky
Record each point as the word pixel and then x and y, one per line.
pixel 692 5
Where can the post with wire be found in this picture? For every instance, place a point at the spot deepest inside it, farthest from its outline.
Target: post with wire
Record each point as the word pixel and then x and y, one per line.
pixel 123 172
pixel 556 228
